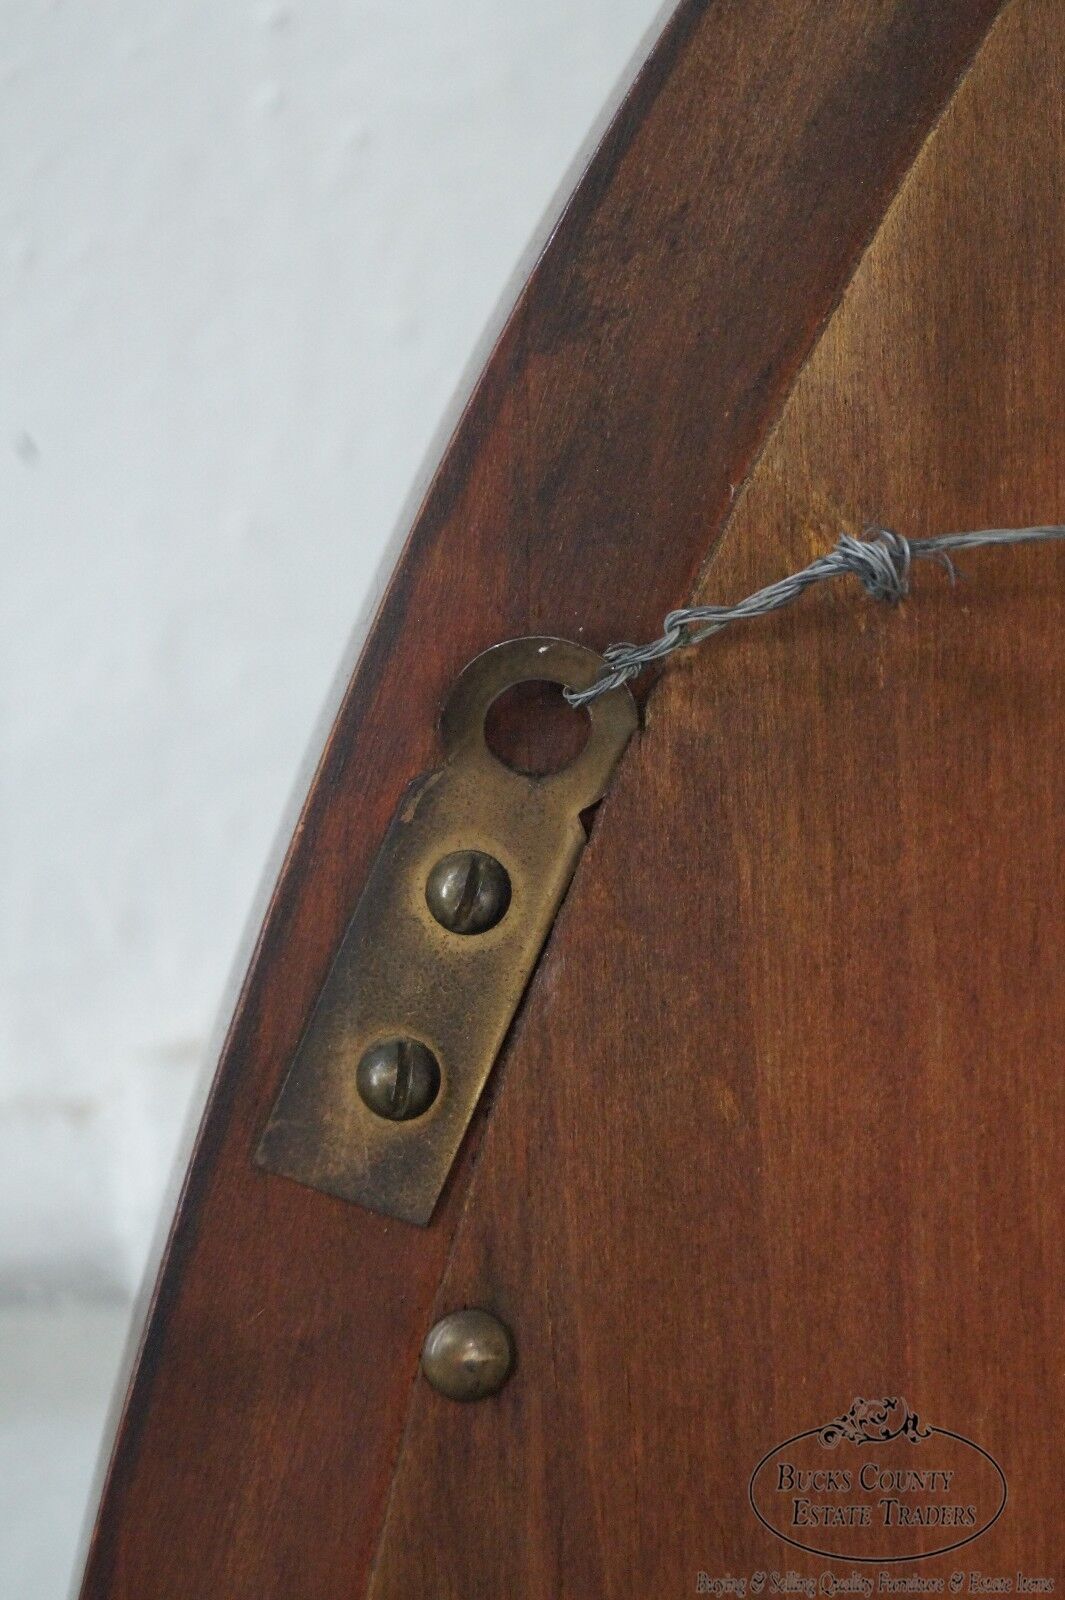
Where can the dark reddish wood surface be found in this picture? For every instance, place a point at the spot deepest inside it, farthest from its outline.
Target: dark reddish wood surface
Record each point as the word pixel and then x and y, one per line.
pixel 630 393
pixel 789 1127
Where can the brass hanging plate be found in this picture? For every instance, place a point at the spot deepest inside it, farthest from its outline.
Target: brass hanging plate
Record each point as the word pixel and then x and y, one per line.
pixel 441 946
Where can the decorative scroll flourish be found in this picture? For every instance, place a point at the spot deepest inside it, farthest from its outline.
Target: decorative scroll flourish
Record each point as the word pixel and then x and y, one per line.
pixel 873 1422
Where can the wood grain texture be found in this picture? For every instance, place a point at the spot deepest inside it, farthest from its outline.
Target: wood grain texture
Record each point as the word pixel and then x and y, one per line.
pixel 629 394
pixel 786 1126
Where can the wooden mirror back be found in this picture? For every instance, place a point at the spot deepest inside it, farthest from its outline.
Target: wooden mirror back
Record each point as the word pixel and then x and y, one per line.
pixel 780 1120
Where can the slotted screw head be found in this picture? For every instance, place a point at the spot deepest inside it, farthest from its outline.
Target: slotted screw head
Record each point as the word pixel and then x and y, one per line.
pixel 468 891
pixel 398 1079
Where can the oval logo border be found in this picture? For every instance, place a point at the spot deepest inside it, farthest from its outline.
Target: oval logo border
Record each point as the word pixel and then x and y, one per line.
pixel 836 1555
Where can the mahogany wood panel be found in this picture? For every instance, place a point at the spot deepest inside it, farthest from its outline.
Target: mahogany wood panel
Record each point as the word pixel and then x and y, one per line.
pixel 633 386
pixel 786 1125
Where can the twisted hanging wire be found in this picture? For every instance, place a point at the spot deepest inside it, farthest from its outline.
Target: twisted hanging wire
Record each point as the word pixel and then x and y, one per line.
pixel 881 560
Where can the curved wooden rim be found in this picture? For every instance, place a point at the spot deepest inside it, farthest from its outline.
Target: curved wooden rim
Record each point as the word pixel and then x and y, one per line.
pixel 650 351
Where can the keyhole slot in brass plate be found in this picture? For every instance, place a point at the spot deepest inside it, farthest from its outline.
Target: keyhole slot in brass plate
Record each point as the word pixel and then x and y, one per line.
pixel 401 973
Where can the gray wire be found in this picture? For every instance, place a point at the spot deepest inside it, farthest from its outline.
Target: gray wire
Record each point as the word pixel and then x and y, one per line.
pixel 880 560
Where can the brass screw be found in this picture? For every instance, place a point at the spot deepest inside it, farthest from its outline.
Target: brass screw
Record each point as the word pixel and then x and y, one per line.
pixel 468 1355
pixel 398 1079
pixel 468 891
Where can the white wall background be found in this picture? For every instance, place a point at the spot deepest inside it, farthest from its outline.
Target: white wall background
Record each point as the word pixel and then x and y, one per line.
pixel 246 251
